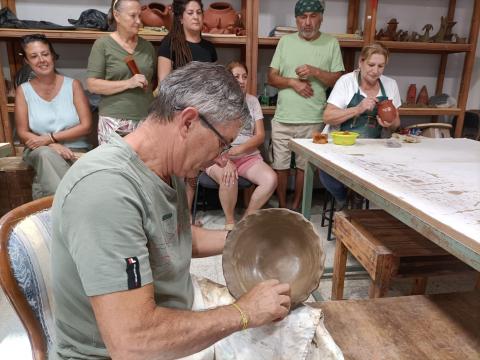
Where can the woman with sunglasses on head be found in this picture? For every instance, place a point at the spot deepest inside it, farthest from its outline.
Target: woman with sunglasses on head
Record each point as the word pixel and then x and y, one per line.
pixel 182 45
pixel 126 96
pixel 244 158
pixel 52 116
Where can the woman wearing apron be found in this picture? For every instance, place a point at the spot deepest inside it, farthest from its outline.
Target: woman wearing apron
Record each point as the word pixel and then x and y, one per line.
pixel 352 105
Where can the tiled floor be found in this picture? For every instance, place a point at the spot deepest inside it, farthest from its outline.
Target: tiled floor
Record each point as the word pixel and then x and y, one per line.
pixel 14 342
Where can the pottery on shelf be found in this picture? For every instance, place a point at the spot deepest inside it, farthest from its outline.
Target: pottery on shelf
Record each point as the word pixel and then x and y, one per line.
pixel 220 18
pixel 411 94
pixel 423 96
pixel 157 14
pixel 387 111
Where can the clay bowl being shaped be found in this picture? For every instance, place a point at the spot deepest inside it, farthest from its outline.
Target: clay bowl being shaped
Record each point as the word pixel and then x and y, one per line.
pixel 344 137
pixel 387 111
pixel 273 244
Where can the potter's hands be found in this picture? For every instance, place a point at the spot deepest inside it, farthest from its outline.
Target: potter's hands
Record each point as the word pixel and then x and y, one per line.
pixel 266 302
pixel 302 87
pixel 36 141
pixel 138 80
pixel 63 151
pixel 230 174
pixel 384 124
pixel 367 104
pixel 306 71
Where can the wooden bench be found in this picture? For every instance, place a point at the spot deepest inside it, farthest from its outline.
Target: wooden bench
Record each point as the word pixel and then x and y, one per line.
pixel 387 248
pixel 16 179
pixel 444 326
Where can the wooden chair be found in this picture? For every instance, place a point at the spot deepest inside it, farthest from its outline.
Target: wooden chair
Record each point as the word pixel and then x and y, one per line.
pixel 25 234
pixel 387 248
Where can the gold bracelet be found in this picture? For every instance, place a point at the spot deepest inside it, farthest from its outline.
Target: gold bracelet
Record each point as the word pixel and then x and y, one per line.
pixel 243 316
pixel 51 138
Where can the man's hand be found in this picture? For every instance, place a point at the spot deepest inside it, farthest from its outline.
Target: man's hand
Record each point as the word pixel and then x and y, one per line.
pixel 230 174
pixel 37 141
pixel 63 151
pixel 266 302
pixel 367 104
pixel 305 71
pixel 302 87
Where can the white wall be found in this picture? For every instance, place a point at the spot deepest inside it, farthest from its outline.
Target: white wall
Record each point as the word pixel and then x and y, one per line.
pixel 405 68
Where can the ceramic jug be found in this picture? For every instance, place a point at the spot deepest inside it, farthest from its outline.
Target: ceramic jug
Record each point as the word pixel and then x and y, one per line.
pixel 387 111
pixel 156 14
pixel 220 18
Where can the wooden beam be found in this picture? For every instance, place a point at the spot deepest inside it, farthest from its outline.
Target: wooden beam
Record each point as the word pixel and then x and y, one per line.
pixel 370 21
pixel 252 45
pixel 468 67
pixel 6 134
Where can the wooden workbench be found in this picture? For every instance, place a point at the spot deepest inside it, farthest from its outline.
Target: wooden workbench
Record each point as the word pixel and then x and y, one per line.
pixel 432 186
pixel 420 327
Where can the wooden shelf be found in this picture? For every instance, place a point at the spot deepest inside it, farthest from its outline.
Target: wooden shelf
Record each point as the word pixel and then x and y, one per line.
pixel 90 36
pixel 425 48
pixel 404 111
pixel 345 43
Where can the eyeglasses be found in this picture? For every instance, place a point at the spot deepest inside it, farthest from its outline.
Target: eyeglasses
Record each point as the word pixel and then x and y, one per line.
pixel 226 146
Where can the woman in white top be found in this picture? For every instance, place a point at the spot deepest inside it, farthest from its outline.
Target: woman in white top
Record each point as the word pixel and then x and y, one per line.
pixel 245 159
pixel 352 105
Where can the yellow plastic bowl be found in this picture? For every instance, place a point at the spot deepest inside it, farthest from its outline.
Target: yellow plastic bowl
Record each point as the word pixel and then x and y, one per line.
pixel 344 137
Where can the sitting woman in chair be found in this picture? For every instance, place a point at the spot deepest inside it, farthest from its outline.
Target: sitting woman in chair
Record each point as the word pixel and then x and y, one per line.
pixel 52 116
pixel 352 105
pixel 245 159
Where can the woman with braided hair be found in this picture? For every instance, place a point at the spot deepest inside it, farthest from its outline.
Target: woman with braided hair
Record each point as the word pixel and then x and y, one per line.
pixel 182 45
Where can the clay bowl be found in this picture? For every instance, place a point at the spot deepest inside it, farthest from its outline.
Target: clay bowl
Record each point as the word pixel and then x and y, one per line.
pixel 274 244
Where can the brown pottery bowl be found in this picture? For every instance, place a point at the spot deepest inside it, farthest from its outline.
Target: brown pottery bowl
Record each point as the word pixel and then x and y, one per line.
pixel 274 244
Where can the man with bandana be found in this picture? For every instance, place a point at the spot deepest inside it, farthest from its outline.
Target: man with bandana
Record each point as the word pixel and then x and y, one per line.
pixel 304 65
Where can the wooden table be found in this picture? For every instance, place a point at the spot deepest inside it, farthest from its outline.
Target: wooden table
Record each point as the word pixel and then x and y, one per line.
pixel 5 149
pixel 445 327
pixel 432 186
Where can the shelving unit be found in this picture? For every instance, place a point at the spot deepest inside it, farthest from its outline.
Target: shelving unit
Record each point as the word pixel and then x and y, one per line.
pixel 11 37
pixel 252 42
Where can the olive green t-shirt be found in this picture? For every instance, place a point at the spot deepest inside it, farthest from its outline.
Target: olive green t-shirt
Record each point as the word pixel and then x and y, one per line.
pixel 107 61
pixel 116 226
pixel 293 51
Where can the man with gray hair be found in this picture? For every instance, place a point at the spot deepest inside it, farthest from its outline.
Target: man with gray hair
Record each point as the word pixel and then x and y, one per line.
pixel 304 65
pixel 122 240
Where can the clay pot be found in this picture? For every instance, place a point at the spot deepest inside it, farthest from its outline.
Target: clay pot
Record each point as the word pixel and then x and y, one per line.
pixel 387 111
pixel 423 96
pixel 156 14
pixel 411 94
pixel 219 18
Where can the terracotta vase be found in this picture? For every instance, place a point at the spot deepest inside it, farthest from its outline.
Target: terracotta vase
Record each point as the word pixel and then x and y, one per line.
pixel 156 14
pixel 423 96
pixel 411 94
pixel 220 18
pixel 387 111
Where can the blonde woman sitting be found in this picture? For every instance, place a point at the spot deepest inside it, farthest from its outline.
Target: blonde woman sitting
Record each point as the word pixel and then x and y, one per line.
pixel 245 159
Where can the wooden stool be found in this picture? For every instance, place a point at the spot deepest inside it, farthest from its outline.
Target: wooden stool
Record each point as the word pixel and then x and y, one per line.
pixel 387 248
pixel 16 179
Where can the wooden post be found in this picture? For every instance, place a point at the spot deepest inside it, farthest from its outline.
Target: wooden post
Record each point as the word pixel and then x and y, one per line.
pixel 339 268
pixel 252 45
pixel 444 58
pixel 6 133
pixel 370 21
pixel 468 67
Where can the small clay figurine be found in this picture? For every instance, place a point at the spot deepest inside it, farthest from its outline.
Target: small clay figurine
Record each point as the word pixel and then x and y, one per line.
pixel 423 96
pixel 411 94
pixel 426 35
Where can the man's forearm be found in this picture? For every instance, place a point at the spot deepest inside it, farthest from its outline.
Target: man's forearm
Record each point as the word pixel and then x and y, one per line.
pixel 207 242
pixel 327 78
pixel 278 81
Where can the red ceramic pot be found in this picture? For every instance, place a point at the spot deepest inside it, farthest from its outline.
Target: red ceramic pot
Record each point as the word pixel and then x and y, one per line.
pixel 219 16
pixel 156 14
pixel 387 111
